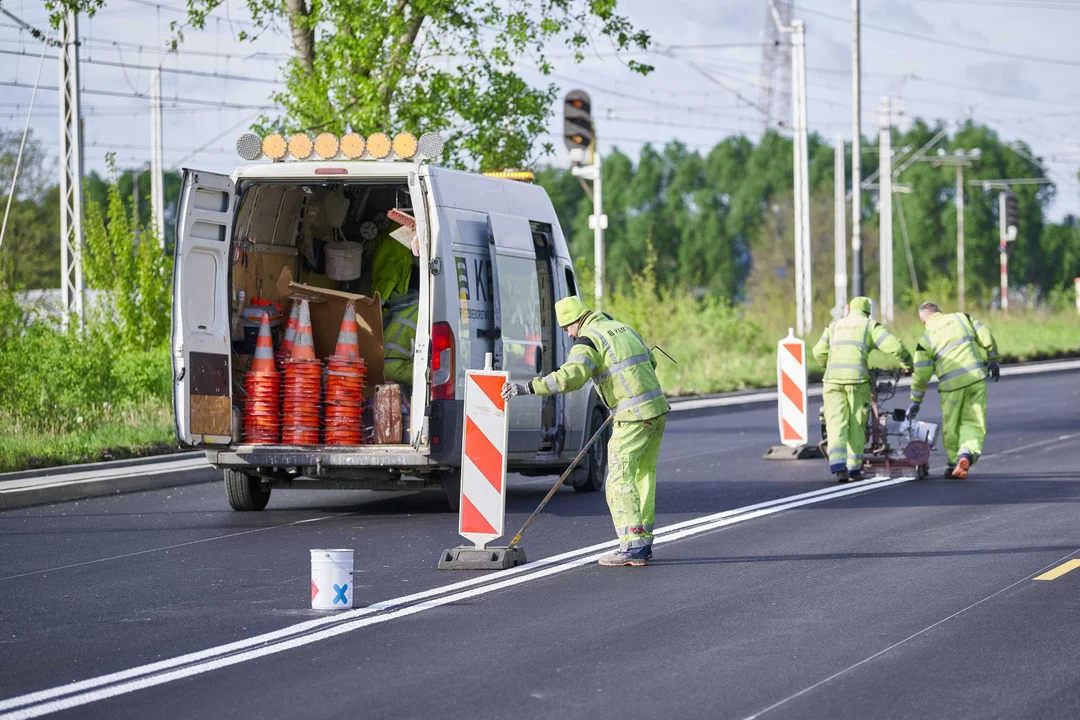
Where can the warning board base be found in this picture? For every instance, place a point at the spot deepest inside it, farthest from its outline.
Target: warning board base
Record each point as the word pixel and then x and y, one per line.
pixel 474 558
pixel 802 452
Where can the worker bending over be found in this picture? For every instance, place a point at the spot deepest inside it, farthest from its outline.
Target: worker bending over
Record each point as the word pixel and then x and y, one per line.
pixel 842 351
pixel 614 356
pixel 962 352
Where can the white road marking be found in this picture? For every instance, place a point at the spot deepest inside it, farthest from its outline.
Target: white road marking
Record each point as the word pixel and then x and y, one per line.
pixel 52 700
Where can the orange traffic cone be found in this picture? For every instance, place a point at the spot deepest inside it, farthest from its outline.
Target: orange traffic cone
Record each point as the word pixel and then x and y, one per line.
pixel 285 350
pixel 262 410
pixel 344 386
pixel 303 345
pixel 303 387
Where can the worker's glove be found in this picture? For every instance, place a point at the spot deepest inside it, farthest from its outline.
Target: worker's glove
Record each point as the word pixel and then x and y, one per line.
pixel 912 411
pixel 995 371
pixel 512 390
pixel 906 371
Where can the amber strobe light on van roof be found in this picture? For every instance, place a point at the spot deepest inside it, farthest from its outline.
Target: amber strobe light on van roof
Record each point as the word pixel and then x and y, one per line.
pixel 353 146
pixel 523 175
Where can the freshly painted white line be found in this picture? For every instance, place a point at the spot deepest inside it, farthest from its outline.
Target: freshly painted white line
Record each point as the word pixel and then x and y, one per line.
pixel 458 591
pixel 59 479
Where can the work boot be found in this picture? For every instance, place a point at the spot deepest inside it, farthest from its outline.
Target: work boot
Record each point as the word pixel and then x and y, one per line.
pixel 948 471
pixel 962 467
pixel 637 558
pixel 854 475
pixel 841 476
pixel 648 554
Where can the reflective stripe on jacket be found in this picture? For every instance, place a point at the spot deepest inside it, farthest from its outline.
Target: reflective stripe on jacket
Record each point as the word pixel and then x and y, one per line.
pixel 957 348
pixel 615 357
pixel 845 344
pixel 398 338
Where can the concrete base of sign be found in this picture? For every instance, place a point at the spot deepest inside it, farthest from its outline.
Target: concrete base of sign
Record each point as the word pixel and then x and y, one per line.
pixel 469 557
pixel 802 452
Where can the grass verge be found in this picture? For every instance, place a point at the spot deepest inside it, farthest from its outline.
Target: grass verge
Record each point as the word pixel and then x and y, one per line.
pixel 144 430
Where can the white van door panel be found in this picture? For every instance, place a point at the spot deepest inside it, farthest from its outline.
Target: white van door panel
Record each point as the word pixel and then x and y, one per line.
pixel 200 321
pixel 518 342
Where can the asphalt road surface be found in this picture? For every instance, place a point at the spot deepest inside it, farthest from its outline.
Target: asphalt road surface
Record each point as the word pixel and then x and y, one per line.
pixel 773 593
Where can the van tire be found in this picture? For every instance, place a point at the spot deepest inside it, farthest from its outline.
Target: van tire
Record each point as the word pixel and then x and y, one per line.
pixel 245 492
pixel 596 460
pixel 451 485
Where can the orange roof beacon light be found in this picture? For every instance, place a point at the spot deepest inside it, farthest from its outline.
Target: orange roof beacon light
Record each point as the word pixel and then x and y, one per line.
pixel 404 145
pixel 274 146
pixel 378 145
pixel 300 146
pixel 353 146
pixel 326 146
pixel 522 175
pixel 249 146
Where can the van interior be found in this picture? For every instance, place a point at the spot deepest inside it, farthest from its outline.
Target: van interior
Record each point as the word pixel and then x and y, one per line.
pixel 325 235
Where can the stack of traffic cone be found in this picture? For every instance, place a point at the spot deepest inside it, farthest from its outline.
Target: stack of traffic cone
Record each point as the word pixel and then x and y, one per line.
pixel 344 386
pixel 285 350
pixel 303 380
pixel 262 413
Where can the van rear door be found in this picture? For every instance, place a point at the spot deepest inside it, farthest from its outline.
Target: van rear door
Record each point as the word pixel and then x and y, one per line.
pixel 200 320
pixel 518 343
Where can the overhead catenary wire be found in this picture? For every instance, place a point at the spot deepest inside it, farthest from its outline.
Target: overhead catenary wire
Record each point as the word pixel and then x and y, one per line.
pixel 22 143
pixel 176 71
pixel 113 93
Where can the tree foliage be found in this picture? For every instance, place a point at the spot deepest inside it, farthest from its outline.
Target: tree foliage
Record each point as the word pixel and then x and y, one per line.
pixel 721 222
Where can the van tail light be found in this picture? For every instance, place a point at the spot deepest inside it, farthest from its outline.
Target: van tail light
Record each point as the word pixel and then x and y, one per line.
pixel 442 362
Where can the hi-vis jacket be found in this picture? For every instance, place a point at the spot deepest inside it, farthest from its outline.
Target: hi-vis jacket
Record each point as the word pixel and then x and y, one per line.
pixel 957 348
pixel 398 341
pixel 846 342
pixel 615 357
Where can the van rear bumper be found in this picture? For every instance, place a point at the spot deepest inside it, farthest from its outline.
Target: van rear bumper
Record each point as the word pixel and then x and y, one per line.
pixel 401 457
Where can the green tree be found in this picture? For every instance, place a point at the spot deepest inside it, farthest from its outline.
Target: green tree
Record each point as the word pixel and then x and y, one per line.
pixel 30 255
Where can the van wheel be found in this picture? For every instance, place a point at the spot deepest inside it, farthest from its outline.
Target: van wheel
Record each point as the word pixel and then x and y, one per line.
pixel 245 492
pixel 451 485
pixel 597 457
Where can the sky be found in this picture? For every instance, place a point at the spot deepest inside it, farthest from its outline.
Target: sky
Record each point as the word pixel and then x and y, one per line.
pixel 1008 63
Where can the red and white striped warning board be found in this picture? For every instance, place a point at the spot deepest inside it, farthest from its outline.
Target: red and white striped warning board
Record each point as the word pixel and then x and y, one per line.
pixel 791 390
pixel 483 457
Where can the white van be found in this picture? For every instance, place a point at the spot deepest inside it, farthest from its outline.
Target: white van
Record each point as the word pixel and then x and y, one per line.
pixel 492 261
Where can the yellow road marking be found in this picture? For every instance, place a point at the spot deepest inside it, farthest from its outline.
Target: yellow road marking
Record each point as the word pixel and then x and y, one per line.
pixel 1059 570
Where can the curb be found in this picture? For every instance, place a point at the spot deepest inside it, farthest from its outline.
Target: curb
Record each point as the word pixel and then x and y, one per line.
pixel 25 488
pixel 190 469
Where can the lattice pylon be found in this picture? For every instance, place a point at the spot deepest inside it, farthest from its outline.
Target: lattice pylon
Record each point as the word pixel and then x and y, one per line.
pixel 72 285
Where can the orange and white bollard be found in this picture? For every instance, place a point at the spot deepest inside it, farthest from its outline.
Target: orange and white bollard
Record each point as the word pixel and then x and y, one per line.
pixel 791 410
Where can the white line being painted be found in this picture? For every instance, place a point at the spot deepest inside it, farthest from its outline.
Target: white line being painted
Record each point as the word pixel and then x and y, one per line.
pixel 52 700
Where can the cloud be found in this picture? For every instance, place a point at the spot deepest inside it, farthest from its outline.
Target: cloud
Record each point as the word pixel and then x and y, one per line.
pixel 900 14
pixel 1002 76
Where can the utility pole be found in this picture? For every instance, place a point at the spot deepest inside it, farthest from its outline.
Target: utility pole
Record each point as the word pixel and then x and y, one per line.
pixel 1008 223
pixel 72 285
pixel 885 261
pixel 959 160
pixel 856 155
pixel 839 230
pixel 157 180
pixel 598 223
pixel 804 306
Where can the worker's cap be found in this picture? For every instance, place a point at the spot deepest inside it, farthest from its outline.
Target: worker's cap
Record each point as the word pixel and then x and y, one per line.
pixel 860 304
pixel 569 310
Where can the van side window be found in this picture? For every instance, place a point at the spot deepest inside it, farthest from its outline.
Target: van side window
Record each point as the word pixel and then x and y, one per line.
pixel 571 286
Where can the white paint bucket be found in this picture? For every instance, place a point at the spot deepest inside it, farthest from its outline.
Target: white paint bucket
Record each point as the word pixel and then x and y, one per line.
pixel 331 579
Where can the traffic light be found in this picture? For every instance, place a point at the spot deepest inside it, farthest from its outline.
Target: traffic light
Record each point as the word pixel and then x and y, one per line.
pixel 1012 212
pixel 577 120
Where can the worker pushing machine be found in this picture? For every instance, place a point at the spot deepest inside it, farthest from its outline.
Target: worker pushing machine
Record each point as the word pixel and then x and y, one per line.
pixel 615 357
pixel 963 353
pixel 842 351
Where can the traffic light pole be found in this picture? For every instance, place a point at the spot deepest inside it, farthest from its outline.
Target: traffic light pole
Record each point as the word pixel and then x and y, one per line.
pixel 598 222
pixel 1004 251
